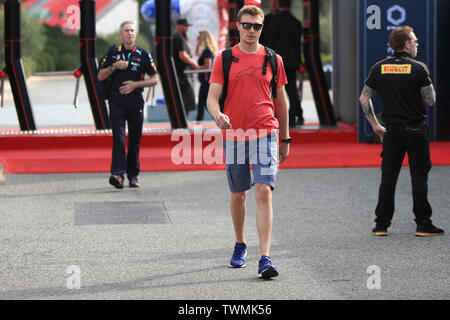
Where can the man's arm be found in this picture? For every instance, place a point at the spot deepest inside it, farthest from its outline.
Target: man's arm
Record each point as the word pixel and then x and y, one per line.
pixel 429 95
pixel 212 103
pixel 107 72
pixel 367 107
pixel 184 56
pixel 207 64
pixel 150 82
pixel 130 86
pixel 104 73
pixel 282 114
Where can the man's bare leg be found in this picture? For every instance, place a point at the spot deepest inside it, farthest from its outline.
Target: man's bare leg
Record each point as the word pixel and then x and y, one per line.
pixel 238 213
pixel 264 217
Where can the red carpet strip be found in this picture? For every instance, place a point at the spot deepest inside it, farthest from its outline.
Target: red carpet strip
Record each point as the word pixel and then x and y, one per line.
pixel 86 150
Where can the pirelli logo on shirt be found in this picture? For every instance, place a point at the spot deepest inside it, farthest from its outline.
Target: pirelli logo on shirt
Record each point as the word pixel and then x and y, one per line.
pixel 395 69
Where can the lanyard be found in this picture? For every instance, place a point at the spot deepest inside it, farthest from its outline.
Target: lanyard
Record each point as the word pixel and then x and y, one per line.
pixel 123 55
pixel 128 59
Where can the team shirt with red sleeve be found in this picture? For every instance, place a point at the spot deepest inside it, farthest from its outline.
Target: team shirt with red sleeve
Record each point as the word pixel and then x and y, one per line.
pixel 249 103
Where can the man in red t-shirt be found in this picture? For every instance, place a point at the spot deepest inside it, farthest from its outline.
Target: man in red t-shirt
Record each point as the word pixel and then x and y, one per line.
pixel 251 118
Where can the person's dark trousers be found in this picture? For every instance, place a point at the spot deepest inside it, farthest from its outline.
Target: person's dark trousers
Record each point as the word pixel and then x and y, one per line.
pixel 398 140
pixel 295 108
pixel 202 97
pixel 187 92
pixel 130 111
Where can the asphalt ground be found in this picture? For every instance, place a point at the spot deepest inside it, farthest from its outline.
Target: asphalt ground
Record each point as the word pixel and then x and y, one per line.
pixel 322 242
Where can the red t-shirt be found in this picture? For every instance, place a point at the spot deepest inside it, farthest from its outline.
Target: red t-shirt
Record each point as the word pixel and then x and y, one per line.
pixel 249 103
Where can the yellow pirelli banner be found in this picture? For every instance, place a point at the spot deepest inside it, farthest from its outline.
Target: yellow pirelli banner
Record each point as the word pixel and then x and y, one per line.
pixel 396 69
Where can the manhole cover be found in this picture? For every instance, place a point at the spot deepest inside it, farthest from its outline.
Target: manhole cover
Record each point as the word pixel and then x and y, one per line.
pixel 88 213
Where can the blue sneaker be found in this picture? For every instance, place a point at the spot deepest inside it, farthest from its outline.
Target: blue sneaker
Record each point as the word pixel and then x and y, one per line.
pixel 239 255
pixel 266 269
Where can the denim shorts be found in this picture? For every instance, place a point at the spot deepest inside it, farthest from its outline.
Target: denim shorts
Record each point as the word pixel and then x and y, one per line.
pixel 260 153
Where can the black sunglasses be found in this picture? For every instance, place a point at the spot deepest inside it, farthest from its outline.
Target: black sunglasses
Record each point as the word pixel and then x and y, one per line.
pixel 248 26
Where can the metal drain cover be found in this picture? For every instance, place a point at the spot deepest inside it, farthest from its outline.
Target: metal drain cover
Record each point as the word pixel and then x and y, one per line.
pixel 89 213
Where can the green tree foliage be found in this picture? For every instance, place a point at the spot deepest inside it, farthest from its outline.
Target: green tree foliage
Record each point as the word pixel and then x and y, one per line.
pixel 46 49
pixel 115 39
pixel 325 26
pixel 33 41
pixel 62 51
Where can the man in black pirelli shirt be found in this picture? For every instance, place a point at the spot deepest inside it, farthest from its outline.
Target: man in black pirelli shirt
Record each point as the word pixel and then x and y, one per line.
pixel 403 84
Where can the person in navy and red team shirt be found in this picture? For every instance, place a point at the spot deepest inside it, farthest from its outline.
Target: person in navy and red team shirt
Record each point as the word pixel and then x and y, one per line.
pixel 126 66
pixel 249 108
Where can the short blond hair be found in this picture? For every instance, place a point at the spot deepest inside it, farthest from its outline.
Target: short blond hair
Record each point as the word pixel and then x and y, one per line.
pixel 251 10
pixel 125 23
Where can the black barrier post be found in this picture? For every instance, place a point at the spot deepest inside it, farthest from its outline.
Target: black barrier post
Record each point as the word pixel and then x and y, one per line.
pixel 313 63
pixel 89 64
pixel 14 67
pixel 166 69
pixel 233 8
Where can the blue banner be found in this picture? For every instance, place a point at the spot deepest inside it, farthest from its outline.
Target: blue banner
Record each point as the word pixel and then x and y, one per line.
pixel 148 9
pixel 377 18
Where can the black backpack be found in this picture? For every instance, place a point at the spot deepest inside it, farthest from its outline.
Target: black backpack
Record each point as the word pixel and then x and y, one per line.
pixel 105 88
pixel 106 85
pixel 228 58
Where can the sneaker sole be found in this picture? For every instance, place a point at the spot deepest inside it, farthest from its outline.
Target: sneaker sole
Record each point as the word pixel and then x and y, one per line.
pixel 427 234
pixel 380 234
pixel 268 273
pixel 116 183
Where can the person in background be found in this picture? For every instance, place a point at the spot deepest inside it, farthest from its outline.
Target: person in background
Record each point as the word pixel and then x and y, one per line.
pixel 284 35
pixel 206 50
pixel 274 10
pixel 127 65
pixel 404 84
pixel 182 56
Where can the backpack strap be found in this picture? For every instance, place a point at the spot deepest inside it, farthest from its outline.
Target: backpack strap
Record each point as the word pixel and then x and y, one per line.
pixel 271 57
pixel 227 59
